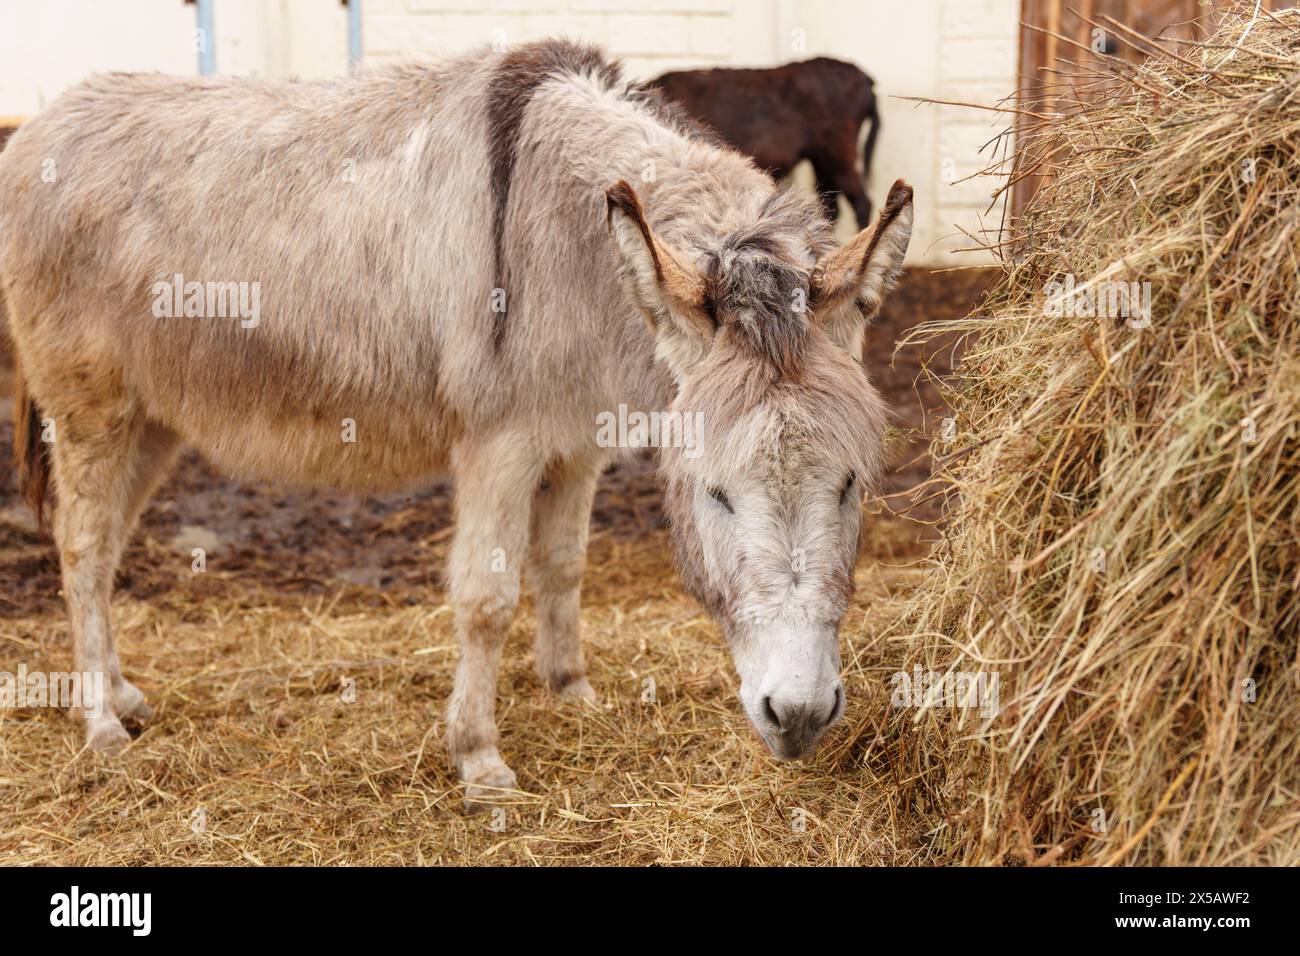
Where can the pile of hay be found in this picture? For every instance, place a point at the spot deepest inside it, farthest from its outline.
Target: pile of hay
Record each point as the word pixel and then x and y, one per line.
pixel 1123 546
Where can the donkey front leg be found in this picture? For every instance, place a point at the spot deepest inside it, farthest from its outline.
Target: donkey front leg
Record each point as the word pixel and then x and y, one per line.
pixel 495 478
pixel 561 518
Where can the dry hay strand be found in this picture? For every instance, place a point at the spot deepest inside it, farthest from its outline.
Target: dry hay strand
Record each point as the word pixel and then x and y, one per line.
pixel 1123 549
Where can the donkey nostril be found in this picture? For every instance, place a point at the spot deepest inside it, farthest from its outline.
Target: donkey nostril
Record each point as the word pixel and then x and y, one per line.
pixel 770 713
pixel 836 708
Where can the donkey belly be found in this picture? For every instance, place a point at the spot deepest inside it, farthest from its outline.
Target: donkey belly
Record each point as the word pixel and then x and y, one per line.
pixel 300 430
pixel 361 451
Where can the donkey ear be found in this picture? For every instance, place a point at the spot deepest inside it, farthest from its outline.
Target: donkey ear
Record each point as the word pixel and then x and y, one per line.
pixel 667 289
pixel 864 270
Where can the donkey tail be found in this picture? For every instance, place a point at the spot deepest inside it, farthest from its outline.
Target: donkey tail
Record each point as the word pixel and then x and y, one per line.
pixel 29 451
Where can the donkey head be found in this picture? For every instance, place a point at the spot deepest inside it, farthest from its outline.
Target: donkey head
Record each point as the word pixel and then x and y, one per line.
pixel 763 330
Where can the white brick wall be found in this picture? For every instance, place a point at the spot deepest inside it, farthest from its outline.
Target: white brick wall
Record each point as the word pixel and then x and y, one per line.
pixel 651 36
pixel 978 49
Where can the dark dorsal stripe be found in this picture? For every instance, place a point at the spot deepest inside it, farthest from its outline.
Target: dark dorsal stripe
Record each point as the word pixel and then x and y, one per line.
pixel 518 75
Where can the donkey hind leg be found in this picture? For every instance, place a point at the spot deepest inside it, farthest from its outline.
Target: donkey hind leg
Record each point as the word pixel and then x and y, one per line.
pixel 561 518
pixel 103 476
pixel 155 453
pixel 495 478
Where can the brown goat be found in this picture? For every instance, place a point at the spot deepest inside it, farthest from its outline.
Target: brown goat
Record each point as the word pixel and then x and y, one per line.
pixel 812 110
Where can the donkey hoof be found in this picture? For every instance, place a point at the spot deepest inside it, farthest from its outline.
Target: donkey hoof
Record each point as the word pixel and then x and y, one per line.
pixel 140 711
pixel 580 689
pixel 487 788
pixel 128 701
pixel 108 738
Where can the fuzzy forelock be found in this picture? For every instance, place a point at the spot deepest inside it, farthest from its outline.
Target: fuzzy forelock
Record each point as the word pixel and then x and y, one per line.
pixel 775 388
pixel 758 279
pixel 755 417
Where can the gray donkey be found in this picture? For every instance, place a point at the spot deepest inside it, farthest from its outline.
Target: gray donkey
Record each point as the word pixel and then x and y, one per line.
pixel 429 268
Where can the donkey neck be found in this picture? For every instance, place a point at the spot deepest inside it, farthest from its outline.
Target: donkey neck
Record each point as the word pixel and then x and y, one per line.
pixel 694 190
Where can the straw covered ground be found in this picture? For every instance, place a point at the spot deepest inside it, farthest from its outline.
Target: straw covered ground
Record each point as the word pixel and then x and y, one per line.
pixel 255 754
pixel 1123 550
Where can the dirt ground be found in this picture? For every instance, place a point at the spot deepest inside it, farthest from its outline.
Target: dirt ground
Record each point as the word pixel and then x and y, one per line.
pixel 256 754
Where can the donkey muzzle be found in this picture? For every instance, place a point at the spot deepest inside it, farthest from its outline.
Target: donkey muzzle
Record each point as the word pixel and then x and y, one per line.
pixel 791 723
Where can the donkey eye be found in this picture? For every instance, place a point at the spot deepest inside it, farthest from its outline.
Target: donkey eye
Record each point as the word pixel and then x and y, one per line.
pixel 848 486
pixel 711 310
pixel 718 495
